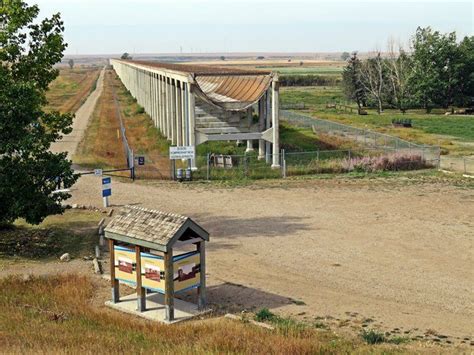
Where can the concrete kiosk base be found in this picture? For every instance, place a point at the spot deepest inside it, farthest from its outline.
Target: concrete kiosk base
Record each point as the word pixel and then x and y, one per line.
pixel 155 308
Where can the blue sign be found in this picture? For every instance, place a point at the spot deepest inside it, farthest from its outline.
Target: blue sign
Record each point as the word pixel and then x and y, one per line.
pixel 141 160
pixel 106 187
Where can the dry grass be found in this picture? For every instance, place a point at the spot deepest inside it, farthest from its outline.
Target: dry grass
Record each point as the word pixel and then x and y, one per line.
pixel 71 88
pixel 57 314
pixel 102 145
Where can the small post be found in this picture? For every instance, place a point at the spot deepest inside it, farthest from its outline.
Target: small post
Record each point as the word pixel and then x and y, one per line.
pixel 169 285
pixel 465 165
pixel 141 294
pixel 208 171
pixel 201 290
pixel 283 160
pixel 349 154
pixel 106 201
pixel 113 282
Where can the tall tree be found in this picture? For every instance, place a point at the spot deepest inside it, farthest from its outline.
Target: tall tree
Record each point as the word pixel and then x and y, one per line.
pixel 374 79
pixel 352 81
pixel 465 91
pixel 71 63
pixel 435 64
pixel 29 172
pixel 399 69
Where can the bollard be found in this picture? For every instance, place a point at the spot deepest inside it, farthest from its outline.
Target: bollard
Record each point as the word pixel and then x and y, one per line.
pixel 188 174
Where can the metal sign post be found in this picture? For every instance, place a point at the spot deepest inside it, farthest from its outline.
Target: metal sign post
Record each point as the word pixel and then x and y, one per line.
pixel 106 190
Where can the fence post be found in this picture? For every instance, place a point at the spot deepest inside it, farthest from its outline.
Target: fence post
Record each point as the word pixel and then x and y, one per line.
pixel 349 154
pixel 283 166
pixel 208 166
pixel 465 166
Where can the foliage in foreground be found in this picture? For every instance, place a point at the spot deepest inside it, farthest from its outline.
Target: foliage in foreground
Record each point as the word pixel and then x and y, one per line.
pixel 28 170
pixel 64 316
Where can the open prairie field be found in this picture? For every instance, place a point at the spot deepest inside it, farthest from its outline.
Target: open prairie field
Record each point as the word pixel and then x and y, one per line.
pixel 71 88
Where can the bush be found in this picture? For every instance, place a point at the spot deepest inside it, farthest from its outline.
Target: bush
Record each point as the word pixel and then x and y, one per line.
pixel 264 315
pixel 372 336
pixel 391 162
pixel 140 109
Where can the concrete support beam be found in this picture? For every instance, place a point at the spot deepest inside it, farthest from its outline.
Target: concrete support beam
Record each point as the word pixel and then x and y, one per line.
pixel 249 121
pixel 261 126
pixel 173 112
pixel 275 123
pixel 191 123
pixel 179 113
pixel 268 124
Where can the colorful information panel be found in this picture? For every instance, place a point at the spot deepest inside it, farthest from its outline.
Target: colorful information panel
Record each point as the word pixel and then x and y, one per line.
pixel 125 264
pixel 186 269
pixel 153 272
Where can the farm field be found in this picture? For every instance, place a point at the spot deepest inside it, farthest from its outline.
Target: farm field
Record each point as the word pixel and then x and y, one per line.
pixel 71 88
pixel 454 133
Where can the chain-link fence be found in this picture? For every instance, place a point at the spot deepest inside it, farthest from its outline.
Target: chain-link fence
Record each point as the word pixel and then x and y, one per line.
pixel 463 165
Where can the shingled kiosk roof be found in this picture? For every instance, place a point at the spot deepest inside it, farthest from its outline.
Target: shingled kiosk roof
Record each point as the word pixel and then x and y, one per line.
pixel 151 228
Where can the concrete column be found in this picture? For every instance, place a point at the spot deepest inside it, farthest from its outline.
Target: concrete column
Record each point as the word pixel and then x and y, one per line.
pixel 173 112
pixel 183 114
pixel 162 115
pixel 179 131
pixel 249 120
pixel 275 122
pixel 167 105
pixel 191 123
pixel 268 124
pixel 261 127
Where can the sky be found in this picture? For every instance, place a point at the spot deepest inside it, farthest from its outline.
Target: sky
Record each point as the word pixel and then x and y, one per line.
pixel 212 26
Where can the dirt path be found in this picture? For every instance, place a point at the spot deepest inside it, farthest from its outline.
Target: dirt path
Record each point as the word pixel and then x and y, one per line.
pixel 70 142
pixel 387 253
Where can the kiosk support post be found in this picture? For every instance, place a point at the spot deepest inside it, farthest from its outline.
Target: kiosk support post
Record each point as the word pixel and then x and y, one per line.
pixel 113 281
pixel 169 285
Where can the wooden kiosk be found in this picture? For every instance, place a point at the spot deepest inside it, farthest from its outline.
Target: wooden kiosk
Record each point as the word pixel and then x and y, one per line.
pixel 141 243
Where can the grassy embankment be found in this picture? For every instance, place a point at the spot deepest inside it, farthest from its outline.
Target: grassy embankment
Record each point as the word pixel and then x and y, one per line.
pixel 455 134
pixel 71 88
pixel 74 232
pixel 102 144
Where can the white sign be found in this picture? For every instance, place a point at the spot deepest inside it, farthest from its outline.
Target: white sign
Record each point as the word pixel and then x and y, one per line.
pixel 186 152
pixel 98 172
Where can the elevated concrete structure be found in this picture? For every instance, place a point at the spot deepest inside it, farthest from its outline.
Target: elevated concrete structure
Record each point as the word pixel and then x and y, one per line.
pixel 192 104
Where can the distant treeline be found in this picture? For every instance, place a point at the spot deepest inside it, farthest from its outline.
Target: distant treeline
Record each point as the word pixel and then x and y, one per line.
pixel 437 72
pixel 309 80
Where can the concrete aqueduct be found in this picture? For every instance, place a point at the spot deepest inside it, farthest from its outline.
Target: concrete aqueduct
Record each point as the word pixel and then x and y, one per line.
pixel 192 104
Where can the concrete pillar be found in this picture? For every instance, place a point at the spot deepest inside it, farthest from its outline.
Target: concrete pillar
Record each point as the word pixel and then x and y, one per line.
pixel 275 122
pixel 250 121
pixel 261 127
pixel 191 123
pixel 173 112
pixel 167 105
pixel 268 124
pixel 183 114
pixel 179 113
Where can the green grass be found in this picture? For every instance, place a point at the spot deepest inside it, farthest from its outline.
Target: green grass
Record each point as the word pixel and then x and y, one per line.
pixel 453 133
pixel 302 70
pixel 74 232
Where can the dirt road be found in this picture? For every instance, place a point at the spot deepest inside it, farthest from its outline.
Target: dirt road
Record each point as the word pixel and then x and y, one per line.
pixel 392 254
pixel 70 142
